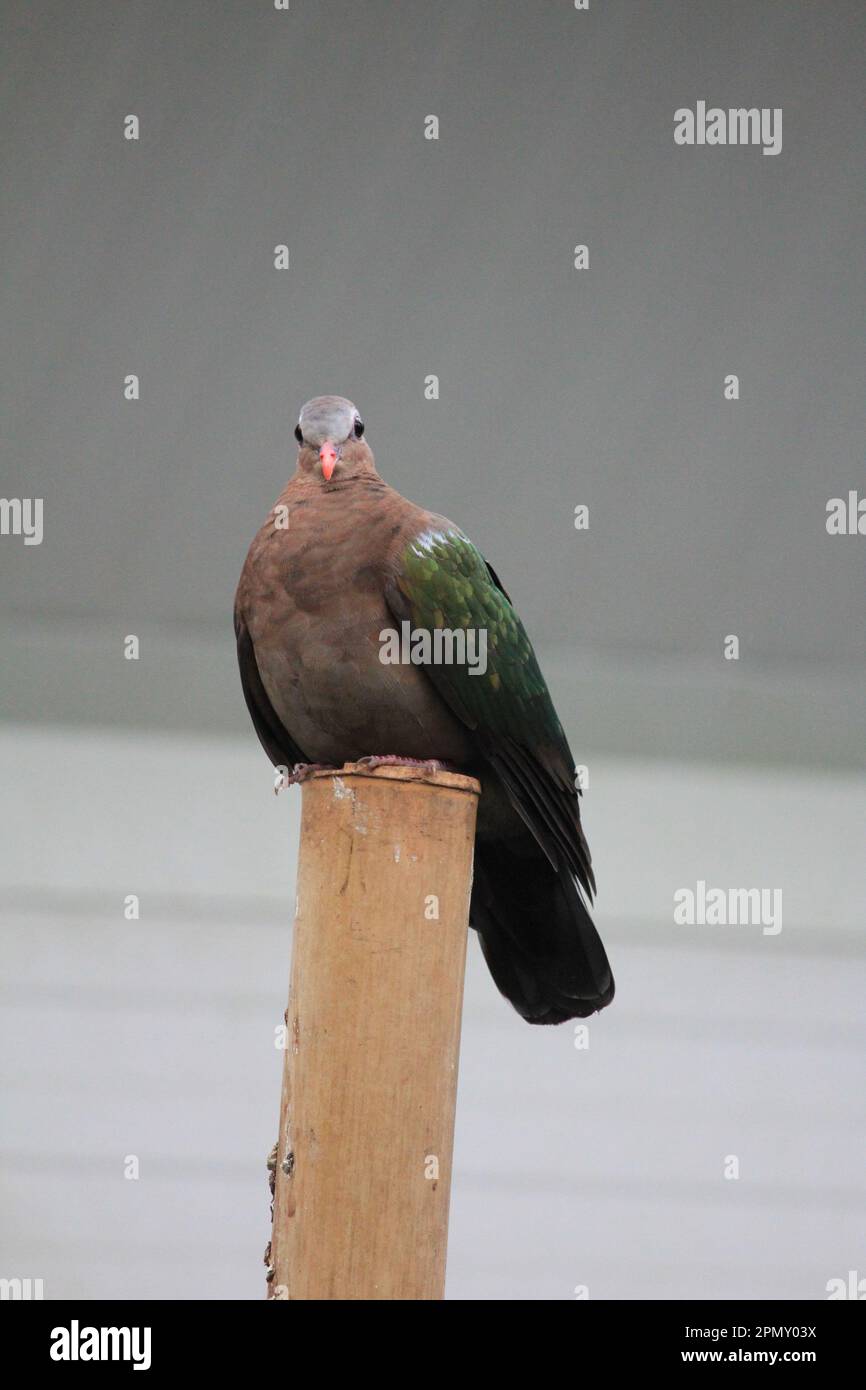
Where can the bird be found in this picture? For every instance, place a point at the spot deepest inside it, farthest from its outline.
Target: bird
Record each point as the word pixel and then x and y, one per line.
pixel 339 560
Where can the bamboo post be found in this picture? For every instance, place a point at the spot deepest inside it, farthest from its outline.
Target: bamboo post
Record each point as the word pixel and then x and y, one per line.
pixel 363 1172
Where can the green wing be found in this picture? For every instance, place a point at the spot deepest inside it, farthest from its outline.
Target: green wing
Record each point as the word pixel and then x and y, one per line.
pixel 443 583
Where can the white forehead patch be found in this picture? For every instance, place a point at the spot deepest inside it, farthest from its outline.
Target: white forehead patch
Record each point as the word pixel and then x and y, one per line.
pixel 327 417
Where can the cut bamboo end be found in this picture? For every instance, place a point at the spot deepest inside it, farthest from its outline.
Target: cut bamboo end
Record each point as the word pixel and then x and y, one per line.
pixel 366 1132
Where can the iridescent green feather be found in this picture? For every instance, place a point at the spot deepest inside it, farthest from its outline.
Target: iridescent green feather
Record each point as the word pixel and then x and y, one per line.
pixel 445 583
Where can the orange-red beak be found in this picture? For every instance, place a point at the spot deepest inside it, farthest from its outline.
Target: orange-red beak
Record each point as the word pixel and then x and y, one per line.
pixel 328 457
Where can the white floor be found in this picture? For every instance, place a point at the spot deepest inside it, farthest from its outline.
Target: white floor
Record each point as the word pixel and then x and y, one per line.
pixel 601 1167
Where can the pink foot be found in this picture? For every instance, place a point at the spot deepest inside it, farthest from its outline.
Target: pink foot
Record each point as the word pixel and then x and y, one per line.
pixel 394 760
pixel 300 772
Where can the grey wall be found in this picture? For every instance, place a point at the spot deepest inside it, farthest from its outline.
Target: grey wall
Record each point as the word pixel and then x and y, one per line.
pixel 409 257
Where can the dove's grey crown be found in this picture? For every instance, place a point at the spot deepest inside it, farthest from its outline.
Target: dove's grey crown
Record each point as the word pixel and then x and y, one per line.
pixel 327 417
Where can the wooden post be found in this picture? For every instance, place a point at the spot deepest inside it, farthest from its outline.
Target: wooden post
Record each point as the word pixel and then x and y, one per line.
pixel 363 1174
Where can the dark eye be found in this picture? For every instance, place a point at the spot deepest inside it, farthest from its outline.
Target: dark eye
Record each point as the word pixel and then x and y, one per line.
pixel 359 429
pixel 299 434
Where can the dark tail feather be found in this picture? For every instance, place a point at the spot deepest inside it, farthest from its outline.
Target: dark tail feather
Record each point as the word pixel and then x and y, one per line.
pixel 537 935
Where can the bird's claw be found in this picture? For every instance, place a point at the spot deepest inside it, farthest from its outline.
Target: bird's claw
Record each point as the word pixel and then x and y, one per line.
pixel 374 760
pixel 299 773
